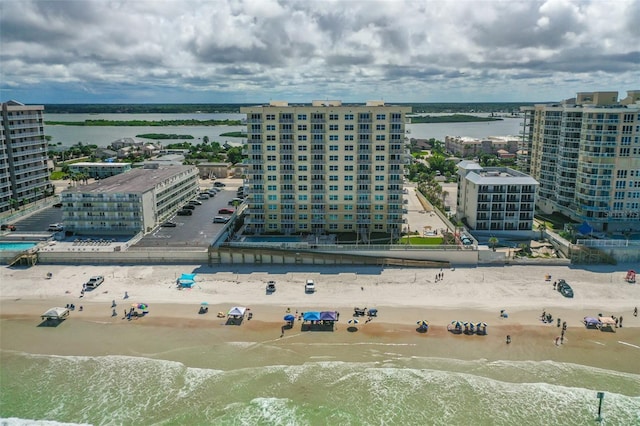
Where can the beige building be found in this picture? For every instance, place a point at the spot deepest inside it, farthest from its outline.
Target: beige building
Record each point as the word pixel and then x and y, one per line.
pixel 325 167
pixel 24 168
pixel 470 147
pixel 128 203
pixel 585 152
pixel 495 198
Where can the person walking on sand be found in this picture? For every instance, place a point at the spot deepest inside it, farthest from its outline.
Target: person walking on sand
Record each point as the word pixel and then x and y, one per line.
pixel 635 311
pixel 620 321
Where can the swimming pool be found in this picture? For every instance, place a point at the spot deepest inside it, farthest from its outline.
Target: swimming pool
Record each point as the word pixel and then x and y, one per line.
pixel 272 239
pixel 16 246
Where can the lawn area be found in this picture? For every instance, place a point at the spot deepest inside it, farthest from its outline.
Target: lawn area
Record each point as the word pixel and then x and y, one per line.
pixel 57 175
pixel 556 220
pixel 422 241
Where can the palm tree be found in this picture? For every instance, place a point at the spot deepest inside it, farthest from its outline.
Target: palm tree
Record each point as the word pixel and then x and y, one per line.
pixel 542 226
pixel 493 242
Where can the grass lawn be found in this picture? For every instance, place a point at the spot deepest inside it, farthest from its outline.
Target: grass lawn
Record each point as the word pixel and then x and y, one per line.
pixel 57 175
pixel 422 241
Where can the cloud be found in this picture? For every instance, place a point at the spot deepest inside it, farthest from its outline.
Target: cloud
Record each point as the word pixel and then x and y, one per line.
pixel 234 50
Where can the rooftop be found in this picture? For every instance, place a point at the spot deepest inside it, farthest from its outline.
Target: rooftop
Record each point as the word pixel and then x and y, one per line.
pixel 136 181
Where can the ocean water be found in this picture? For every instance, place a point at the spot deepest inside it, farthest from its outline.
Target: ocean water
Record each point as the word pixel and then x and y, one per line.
pixel 392 389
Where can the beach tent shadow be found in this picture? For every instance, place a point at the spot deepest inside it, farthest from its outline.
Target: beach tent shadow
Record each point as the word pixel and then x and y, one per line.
pixel 317 327
pixel 234 321
pixel 421 330
pixel 352 329
pixel 51 322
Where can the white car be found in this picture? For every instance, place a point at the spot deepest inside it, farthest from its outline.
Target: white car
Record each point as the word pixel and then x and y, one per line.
pixel 94 282
pixel 310 287
pixel 55 227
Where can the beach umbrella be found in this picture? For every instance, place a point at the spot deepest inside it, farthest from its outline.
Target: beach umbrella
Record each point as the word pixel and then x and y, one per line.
pixel 289 317
pixel 205 303
pixel 353 321
pixel 423 323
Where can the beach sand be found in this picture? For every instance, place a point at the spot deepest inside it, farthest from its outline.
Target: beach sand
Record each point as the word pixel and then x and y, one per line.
pixel 174 330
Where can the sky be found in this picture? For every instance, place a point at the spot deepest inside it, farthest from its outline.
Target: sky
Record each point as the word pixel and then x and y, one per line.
pixel 237 51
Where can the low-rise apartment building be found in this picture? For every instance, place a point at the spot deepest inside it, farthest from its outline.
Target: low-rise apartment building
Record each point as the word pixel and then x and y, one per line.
pixel 99 170
pixel 470 147
pixel 128 203
pixel 495 198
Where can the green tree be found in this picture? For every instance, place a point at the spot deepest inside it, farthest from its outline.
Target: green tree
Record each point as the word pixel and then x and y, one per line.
pixel 234 154
pixel 493 242
pixel 542 227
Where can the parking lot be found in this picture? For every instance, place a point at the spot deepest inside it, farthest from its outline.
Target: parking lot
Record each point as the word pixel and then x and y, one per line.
pixel 40 220
pixel 197 230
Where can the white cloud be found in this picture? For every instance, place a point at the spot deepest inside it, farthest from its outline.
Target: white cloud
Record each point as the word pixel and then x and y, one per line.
pixel 235 50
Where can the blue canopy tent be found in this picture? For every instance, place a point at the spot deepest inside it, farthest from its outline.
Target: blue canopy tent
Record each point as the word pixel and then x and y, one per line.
pixel 585 229
pixel 311 316
pixel 187 280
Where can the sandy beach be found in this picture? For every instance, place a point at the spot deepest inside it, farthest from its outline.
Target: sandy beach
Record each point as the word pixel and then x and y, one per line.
pixel 175 366
pixel 402 296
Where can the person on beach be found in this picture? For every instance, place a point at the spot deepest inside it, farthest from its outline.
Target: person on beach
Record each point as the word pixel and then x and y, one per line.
pixel 635 311
pixel 508 339
pixel 126 295
pixel 620 321
pixel 555 283
pixel 557 340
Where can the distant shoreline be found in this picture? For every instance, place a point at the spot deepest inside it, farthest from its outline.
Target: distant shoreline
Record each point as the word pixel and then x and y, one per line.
pixel 454 118
pixel 142 123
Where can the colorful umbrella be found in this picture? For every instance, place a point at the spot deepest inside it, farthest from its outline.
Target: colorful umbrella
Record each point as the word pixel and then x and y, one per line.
pixel 353 321
pixel 205 303
pixel 289 317
pixel 423 323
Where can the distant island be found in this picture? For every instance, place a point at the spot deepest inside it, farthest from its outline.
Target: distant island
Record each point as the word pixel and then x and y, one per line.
pixel 455 118
pixel 159 136
pixel 430 107
pixel 140 123
pixel 234 134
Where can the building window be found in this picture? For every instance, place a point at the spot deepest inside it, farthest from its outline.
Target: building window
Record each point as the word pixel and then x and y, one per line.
pixel 348 117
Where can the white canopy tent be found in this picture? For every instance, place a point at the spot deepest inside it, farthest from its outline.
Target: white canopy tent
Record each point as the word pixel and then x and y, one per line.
pixel 237 311
pixel 56 313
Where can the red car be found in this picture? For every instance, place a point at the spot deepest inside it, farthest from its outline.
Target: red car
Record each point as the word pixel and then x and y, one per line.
pixel 226 210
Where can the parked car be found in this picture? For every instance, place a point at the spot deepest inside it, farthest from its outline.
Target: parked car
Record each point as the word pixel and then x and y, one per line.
pixel 94 282
pixel 565 289
pixel 203 196
pixel 57 205
pixel 219 184
pixel 221 219
pixel 55 227
pixel 195 203
pixel 271 286
pixel 168 225
pixel 310 286
pixel 226 210
pixel 189 207
pixel 211 193
pixel 6 227
pixel 185 212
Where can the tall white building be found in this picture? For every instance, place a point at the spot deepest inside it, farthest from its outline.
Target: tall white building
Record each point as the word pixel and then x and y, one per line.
pixel 325 167
pixel 24 172
pixel 495 198
pixel 585 152
pixel 128 203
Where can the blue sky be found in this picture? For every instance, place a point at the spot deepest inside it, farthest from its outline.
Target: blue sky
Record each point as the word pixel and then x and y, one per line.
pixel 258 50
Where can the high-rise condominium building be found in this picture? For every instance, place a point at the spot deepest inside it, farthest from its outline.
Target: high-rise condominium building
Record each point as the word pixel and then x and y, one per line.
pixel 325 167
pixel 24 173
pixel 585 152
